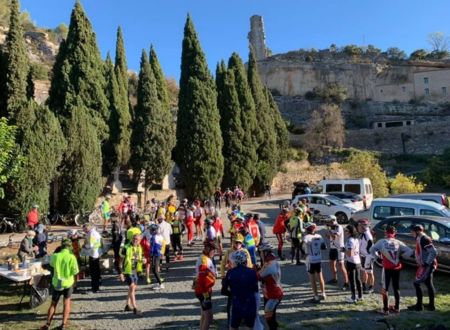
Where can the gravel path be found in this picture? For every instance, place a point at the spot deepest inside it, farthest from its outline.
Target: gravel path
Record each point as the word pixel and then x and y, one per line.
pixel 175 307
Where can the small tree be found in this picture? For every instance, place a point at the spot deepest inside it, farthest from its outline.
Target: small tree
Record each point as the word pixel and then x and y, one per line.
pixel 438 41
pixel 332 93
pixel 403 184
pixel 325 128
pixel 395 54
pixel 419 54
pixel 364 164
pixel 438 170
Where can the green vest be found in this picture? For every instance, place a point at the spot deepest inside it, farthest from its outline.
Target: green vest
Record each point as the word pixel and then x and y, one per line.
pixel 296 226
pixel 65 267
pixel 131 253
pixel 176 227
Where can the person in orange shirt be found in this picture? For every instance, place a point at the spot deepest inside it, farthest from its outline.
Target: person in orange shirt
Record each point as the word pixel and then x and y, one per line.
pixel 279 228
pixel 33 217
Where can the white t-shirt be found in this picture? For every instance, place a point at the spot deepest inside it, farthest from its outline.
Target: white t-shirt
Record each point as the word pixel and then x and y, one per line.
pixel 338 241
pixel 352 245
pixel 313 248
pixel 366 237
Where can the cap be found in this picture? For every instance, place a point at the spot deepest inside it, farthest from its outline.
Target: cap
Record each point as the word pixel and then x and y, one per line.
pixel 35 206
pixel 239 238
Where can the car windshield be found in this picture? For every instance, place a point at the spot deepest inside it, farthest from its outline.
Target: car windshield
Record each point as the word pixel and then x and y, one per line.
pixel 336 200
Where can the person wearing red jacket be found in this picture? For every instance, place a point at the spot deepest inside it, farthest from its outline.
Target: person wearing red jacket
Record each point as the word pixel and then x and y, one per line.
pixel 189 222
pixel 205 278
pixel 279 228
pixel 270 276
pixel 33 217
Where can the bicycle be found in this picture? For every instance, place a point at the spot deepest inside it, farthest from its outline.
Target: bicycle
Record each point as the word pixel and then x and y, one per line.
pixel 93 217
pixel 11 225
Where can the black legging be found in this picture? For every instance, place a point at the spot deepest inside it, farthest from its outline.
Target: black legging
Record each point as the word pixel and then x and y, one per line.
pixel 427 278
pixel 354 276
pixel 176 243
pixel 217 202
pixel 272 322
pixel 295 249
pixel 280 245
pixel 387 276
pixel 94 270
pixel 155 267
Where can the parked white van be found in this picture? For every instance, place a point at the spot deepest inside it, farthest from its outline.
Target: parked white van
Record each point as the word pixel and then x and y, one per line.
pixel 382 208
pixel 362 187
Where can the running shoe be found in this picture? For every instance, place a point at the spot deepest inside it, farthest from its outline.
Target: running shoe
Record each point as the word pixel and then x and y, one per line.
pixel 345 287
pixel 351 300
pixel 128 308
pixel 383 312
pixel 332 281
pixel 323 297
pixel 415 307
pixel 137 312
pixel 429 307
pixel 158 286
pixel 393 310
pixel 149 280
pixel 300 263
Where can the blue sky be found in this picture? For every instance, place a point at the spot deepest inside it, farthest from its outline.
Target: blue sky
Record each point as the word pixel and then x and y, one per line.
pixel 223 25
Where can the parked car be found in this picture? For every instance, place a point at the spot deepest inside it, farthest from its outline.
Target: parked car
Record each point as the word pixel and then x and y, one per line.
pixel 437 228
pixel 328 205
pixel 382 208
pixel 431 197
pixel 362 187
pixel 349 197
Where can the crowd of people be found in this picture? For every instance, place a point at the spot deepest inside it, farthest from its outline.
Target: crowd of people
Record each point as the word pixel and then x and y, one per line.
pixel 142 245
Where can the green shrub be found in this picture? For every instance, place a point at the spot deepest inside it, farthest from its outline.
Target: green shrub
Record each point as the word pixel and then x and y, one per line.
pixel 297 154
pixel 403 184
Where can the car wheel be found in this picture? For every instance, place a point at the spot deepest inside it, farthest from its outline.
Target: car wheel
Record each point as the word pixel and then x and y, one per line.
pixel 341 218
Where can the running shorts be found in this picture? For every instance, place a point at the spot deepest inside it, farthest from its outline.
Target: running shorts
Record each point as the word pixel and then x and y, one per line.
pixel 314 267
pixel 367 264
pixel 205 303
pixel 67 293
pixel 131 278
pixel 335 255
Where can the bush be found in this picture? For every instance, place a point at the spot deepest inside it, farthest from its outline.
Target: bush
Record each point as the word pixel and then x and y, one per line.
pixel 332 93
pixel 352 50
pixel 39 71
pixel 364 164
pixel 297 154
pixel 437 172
pixel 403 184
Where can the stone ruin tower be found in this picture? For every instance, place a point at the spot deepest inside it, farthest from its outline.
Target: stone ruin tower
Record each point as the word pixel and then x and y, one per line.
pixel 257 37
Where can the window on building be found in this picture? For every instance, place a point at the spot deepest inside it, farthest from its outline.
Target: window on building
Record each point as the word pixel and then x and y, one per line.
pixel 403 89
pixel 444 91
pixel 408 123
pixel 380 124
pixel 394 124
pixel 427 91
pixel 425 80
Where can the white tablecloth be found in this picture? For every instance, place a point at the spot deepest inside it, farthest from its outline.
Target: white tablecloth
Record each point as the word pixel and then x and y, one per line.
pixel 12 275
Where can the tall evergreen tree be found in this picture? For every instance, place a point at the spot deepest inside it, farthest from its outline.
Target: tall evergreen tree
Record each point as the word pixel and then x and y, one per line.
pixel 110 147
pixel 267 152
pixel 122 144
pixel 41 145
pixel 235 171
pixel 248 120
pixel 282 133
pixel 2 82
pixel 30 85
pixel 78 75
pixel 81 172
pixel 77 96
pixel 164 99
pixel 198 151
pixel 17 65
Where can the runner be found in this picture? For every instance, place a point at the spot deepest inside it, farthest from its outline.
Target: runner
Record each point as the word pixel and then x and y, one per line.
pixel 205 277
pixel 145 245
pixel 218 226
pixel 116 241
pixel 189 222
pixel 426 262
pixel 210 231
pixel 92 244
pixel 336 254
pixel 279 229
pixel 133 259
pixel 390 250
pixel 313 245
pixel 228 196
pixel 105 208
pixel 353 263
pixel 249 243
pixel 65 267
pixel 198 221
pixel 270 276
pixel 295 226
pixel 177 232
pixel 165 230
pixel 262 235
pixel 156 253
pixel 366 242
pixel 217 198
pixel 241 283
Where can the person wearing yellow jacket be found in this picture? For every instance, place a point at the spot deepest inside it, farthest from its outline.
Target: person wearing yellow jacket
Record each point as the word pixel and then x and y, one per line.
pixel 133 259
pixel 65 267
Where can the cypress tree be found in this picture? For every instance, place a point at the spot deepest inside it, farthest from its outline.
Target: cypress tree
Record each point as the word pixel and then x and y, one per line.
pixel 198 151
pixel 77 96
pixel 81 170
pixel 78 75
pixel 122 143
pixel 110 147
pixel 282 134
pixel 267 152
pixel 233 134
pixel 30 85
pixel 2 82
pixel 17 65
pixel 151 148
pixel 167 126
pixel 41 146
pixel 248 157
